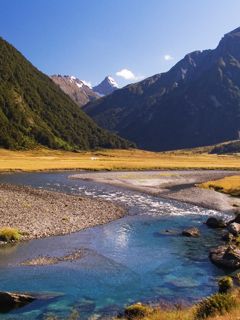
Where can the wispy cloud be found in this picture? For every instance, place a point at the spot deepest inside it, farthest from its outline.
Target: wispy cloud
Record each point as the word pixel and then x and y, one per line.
pixel 128 75
pixel 168 57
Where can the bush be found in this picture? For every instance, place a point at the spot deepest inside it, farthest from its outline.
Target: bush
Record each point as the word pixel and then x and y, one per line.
pixel 137 310
pixel 9 234
pixel 217 304
pixel 225 284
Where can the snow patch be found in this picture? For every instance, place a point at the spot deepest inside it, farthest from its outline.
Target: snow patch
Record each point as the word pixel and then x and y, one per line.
pixel 112 82
pixel 86 83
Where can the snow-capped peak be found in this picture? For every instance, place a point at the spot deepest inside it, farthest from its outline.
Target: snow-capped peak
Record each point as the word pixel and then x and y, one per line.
pixel 112 81
pixel 107 86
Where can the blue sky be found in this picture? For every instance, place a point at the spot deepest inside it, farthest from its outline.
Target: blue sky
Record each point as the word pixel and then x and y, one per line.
pixel 94 38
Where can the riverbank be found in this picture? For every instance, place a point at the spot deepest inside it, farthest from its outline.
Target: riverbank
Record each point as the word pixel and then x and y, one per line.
pixel 40 213
pixel 171 184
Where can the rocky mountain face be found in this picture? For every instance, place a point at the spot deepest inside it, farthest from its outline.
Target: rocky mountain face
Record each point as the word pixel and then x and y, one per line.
pixel 196 103
pixel 78 90
pixel 107 86
pixel 35 111
pixel 81 92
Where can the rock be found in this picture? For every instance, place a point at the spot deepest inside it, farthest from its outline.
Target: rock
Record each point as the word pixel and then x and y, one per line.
pixel 226 257
pixel 215 223
pixel 237 218
pixel 228 237
pixel 234 228
pixel 168 232
pixel 191 232
pixel 86 306
pixel 10 301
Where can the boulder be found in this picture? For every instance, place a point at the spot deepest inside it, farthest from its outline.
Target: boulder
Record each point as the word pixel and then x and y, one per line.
pixel 237 218
pixel 234 228
pixel 228 237
pixel 191 232
pixel 226 257
pixel 215 223
pixel 10 301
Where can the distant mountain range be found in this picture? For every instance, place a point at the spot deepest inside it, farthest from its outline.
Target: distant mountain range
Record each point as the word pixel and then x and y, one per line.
pixel 81 92
pixel 35 111
pixel 196 103
pixel 78 90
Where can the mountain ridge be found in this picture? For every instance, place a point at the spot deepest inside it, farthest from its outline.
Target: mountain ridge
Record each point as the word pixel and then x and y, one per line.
pixel 34 111
pixel 77 89
pixel 80 91
pixel 195 103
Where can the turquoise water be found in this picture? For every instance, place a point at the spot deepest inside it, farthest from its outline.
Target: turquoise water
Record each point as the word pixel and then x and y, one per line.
pixel 128 260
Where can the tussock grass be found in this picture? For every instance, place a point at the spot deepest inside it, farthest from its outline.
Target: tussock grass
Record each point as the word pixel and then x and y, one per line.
pixel 228 185
pixel 45 159
pixel 9 234
pixel 216 307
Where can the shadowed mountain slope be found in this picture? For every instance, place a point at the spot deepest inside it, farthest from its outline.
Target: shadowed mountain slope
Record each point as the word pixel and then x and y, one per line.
pixel 35 111
pixel 196 103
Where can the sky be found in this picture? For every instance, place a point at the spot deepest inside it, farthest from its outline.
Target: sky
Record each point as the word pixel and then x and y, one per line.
pixel 127 39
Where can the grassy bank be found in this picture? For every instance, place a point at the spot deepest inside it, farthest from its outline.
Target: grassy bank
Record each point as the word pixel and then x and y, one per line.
pixel 44 159
pixel 217 307
pixel 228 185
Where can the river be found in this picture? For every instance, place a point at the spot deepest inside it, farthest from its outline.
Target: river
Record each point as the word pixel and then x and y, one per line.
pixel 128 260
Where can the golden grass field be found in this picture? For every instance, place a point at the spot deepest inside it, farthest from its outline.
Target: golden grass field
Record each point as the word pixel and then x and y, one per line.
pixel 45 159
pixel 229 185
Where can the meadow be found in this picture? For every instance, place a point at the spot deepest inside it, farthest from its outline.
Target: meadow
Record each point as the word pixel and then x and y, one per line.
pixel 46 159
pixel 229 185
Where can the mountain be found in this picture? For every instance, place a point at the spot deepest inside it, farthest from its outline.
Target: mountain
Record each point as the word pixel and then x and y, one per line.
pixel 227 147
pixel 35 111
pixel 196 103
pixel 78 90
pixel 107 86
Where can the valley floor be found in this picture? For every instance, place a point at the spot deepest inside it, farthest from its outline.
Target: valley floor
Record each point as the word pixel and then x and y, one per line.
pixel 45 159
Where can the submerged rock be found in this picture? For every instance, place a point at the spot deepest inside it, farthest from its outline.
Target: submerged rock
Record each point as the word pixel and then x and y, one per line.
pixel 168 232
pixel 226 257
pixel 10 301
pixel 215 223
pixel 191 232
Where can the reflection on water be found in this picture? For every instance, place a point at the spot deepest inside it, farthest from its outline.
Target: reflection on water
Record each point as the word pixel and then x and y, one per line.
pixel 128 260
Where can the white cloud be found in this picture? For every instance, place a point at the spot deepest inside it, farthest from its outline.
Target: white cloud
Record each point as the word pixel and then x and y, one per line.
pixel 168 57
pixel 126 74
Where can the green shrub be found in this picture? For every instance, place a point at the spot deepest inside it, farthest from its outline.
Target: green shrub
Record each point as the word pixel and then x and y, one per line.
pixel 137 311
pixel 217 304
pixel 9 234
pixel 225 284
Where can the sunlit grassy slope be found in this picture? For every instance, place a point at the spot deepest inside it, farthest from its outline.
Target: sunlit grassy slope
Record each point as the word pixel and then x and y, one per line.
pixel 216 307
pixel 229 185
pixel 45 159
pixel 190 315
